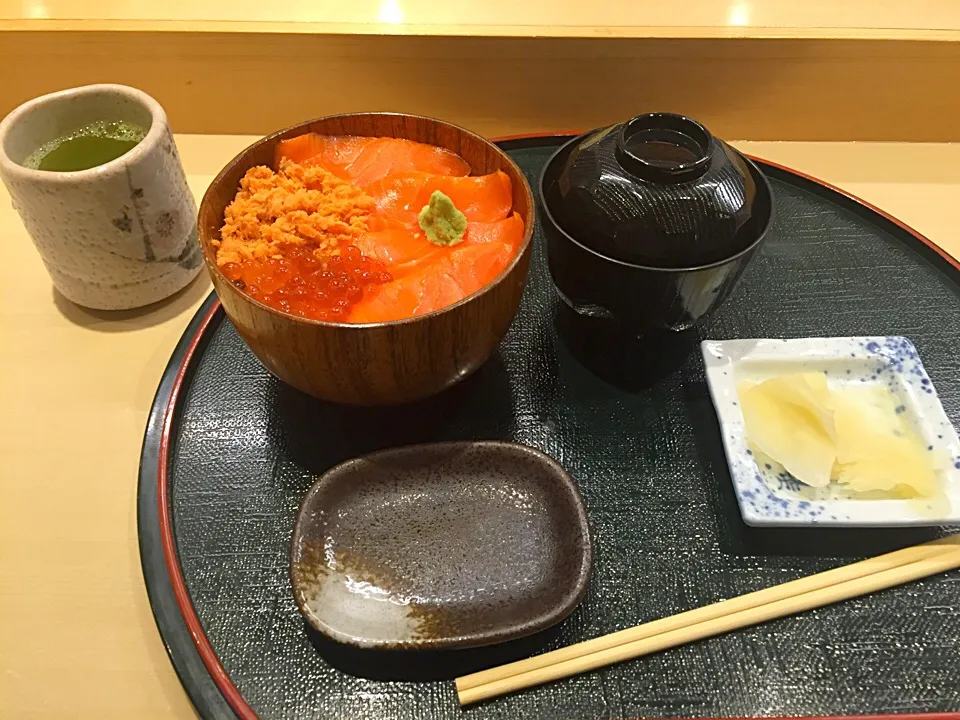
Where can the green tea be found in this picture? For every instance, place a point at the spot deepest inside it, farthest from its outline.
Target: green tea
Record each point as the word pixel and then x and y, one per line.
pixel 87 147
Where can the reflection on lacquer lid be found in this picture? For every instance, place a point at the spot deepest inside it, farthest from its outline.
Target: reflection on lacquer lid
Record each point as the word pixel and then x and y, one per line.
pixel 658 190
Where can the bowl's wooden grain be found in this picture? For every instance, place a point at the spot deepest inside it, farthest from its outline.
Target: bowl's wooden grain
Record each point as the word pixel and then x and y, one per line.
pixel 378 363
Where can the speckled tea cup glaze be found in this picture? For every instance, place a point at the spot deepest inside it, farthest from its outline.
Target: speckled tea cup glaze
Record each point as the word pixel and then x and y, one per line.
pixel 117 236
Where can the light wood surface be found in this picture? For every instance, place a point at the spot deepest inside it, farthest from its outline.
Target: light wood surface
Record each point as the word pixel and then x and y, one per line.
pixel 764 69
pixel 927 19
pixel 77 638
pixel 257 82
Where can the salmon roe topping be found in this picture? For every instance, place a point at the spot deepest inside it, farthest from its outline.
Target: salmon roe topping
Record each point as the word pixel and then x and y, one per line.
pixel 302 284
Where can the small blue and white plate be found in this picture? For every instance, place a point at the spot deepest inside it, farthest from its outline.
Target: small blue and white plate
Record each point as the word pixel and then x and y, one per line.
pixel 767 494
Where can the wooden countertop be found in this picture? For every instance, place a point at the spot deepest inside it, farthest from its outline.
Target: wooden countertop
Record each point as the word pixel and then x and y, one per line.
pixel 763 69
pixel 78 637
pixel 920 19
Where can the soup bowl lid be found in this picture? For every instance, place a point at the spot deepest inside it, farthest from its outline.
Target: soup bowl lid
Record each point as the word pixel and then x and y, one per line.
pixel 658 190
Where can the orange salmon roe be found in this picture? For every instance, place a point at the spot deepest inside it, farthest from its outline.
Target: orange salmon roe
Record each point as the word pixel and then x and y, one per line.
pixel 302 284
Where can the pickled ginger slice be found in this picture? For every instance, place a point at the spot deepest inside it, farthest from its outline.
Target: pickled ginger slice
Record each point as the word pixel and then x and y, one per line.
pixel 865 417
pixel 899 466
pixel 808 391
pixel 877 450
pixel 785 421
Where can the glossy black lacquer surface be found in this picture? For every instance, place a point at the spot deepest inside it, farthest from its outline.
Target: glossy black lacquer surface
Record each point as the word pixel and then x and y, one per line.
pixel 659 191
pixel 633 424
pixel 639 297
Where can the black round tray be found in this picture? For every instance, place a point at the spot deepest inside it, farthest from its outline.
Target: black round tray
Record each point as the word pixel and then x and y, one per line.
pixel 229 451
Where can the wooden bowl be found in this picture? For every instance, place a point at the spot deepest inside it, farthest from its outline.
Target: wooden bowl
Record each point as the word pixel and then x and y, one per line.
pixel 376 363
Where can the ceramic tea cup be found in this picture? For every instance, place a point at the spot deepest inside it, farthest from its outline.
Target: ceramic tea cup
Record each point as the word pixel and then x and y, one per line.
pixel 118 235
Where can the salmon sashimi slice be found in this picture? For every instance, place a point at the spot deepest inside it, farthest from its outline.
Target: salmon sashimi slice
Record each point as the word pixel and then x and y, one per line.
pixel 394 243
pixel 484 198
pixel 435 285
pixel 415 294
pixel 332 152
pixel 476 266
pixel 364 160
pixel 389 156
pixel 400 247
pixel 509 230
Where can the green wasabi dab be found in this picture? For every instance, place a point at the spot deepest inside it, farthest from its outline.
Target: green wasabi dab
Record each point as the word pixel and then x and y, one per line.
pixel 441 221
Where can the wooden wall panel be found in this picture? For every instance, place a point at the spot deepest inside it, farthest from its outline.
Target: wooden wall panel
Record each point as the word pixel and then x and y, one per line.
pixel 761 89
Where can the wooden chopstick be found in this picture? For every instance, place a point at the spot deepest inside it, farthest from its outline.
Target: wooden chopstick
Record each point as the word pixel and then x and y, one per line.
pixel 832 586
pixel 709 612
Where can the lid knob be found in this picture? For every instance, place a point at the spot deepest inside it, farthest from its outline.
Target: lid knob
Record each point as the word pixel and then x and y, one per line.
pixel 663 147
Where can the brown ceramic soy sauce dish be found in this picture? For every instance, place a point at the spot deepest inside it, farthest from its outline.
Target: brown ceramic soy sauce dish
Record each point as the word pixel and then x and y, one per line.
pixel 650 223
pixel 444 545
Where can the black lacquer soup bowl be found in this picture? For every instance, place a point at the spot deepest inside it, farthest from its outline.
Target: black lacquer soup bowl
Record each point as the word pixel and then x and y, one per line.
pixel 650 223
